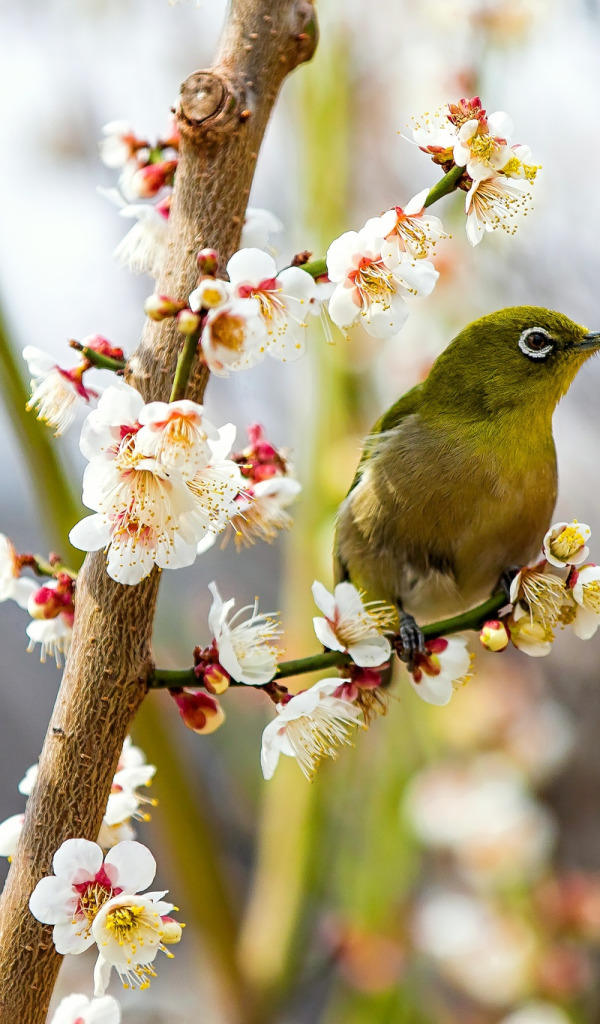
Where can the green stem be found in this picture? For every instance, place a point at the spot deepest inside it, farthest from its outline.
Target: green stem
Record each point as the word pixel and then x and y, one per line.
pixel 97 359
pixel 446 185
pixel 42 567
pixel 473 619
pixel 184 366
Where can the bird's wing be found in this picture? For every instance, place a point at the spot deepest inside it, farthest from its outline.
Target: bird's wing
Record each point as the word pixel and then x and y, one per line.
pixel 405 406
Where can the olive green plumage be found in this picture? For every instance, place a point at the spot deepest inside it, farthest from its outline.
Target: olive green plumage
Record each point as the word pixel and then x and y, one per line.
pixel 458 479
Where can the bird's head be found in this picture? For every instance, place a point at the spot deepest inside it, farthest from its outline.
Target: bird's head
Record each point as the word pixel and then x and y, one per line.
pixel 521 353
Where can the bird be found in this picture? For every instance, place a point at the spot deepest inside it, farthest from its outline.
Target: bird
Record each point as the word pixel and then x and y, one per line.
pixel 457 482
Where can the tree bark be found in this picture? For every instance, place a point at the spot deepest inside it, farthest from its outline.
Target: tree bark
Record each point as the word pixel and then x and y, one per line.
pixel 222 116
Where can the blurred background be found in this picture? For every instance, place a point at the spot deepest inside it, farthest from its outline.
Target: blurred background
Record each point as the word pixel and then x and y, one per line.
pixel 447 869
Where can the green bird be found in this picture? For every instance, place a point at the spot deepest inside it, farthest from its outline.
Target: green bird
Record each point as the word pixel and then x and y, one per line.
pixel 457 481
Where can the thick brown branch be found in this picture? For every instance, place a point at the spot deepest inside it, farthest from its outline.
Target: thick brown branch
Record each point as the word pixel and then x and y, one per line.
pixel 222 116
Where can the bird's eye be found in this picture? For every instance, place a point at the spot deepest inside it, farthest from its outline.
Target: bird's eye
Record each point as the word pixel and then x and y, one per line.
pixel 536 343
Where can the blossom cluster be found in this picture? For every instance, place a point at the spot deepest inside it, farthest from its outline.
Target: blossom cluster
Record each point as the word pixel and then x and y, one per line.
pixel 147 174
pixel 125 803
pixel 497 175
pixel 50 605
pixel 96 899
pixel 158 479
pixel 562 589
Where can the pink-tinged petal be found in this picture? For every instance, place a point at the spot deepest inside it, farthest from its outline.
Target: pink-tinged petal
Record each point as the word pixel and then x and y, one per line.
pixel 342 308
pixel 68 939
pixel 71 1009
pixel 130 866
pixel 53 900
pixel 77 860
pixel 370 653
pixel 500 125
pixel 416 204
pixel 324 601
pixel 250 266
pixel 325 635
pixel 102 972
pixel 436 690
pixel 91 533
pixel 341 255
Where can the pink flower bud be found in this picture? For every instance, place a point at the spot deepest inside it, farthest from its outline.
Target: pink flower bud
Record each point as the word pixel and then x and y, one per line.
pixel 148 181
pixel 494 636
pixel 103 346
pixel 200 712
pixel 188 322
pixel 216 679
pixel 160 307
pixel 208 261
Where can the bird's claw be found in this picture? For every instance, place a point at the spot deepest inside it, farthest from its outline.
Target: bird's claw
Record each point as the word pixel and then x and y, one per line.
pixel 409 641
pixel 506 579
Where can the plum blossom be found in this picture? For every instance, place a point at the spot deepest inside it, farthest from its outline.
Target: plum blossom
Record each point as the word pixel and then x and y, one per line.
pixel 129 931
pixel 53 636
pixel 143 248
pixel 176 433
pixel 262 509
pixel 373 279
pixel 283 298
pixel 211 292
pixel 245 646
pixel 309 726
pixel 55 392
pixel 446 665
pixel 119 144
pixel 494 203
pixel 350 625
pixel 481 145
pixel 542 592
pixel 83 881
pixel 529 633
pixel 233 336
pixel 415 231
pixel 78 1009
pixel 12 586
pixel 585 585
pixel 565 544
pixel 493 636
pixel 258 227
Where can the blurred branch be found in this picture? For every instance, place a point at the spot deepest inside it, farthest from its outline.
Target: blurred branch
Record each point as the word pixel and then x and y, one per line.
pixel 53 492
pixel 221 117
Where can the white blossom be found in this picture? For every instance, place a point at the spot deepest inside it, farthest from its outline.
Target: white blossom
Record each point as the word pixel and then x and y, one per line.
pixel 115 147
pixel 129 931
pixel 261 512
pixel 309 726
pixel 352 626
pixel 82 882
pixel 283 298
pixel 176 433
pixel 245 645
pixel 10 833
pixel 415 231
pixel 53 636
pixel 55 392
pixel 529 633
pixel 78 1009
pixel 446 666
pixel 537 1012
pixel 258 227
pixel 12 586
pixel 373 279
pixel 586 594
pixel 483 153
pixel 494 203
pixel 233 336
pixel 565 544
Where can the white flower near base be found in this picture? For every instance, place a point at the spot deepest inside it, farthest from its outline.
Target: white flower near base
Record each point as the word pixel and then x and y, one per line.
pixel 351 626
pixel 309 726
pixel 437 674
pixel 233 336
pixel 258 227
pixel 116 146
pixel 566 544
pixel 415 231
pixel 53 636
pixel 529 633
pixel 78 1009
pixel 284 299
pixel 112 424
pixel 494 203
pixel 129 931
pixel 483 154
pixel 215 488
pixel 10 833
pixel 12 586
pixel 586 594
pixel 246 646
pixel 55 393
pixel 373 286
pixel 83 881
pixel 143 248
pixel 543 593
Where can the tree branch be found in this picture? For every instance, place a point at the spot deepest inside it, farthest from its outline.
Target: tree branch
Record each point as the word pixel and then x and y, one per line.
pixel 222 117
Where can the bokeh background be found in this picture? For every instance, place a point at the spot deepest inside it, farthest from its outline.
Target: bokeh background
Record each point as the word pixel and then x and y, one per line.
pixel 448 868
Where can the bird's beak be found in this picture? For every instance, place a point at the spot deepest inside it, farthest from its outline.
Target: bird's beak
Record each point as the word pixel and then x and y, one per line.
pixel 591 340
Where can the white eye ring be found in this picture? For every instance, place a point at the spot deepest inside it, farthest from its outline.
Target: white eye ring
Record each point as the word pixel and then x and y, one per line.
pixel 535 353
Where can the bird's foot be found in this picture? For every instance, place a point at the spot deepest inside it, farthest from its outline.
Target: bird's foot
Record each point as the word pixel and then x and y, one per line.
pixel 409 640
pixel 506 579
